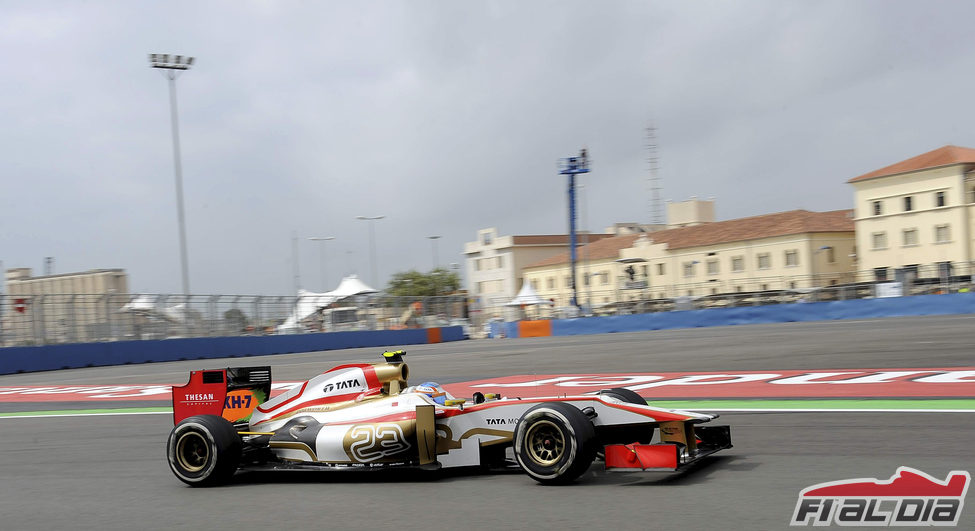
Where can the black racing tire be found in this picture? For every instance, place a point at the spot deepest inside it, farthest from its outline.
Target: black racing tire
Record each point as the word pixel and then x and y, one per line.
pixel 624 394
pixel 204 450
pixel 554 443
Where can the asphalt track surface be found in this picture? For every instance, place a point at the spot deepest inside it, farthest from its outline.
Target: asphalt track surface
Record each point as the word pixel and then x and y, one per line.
pixel 110 472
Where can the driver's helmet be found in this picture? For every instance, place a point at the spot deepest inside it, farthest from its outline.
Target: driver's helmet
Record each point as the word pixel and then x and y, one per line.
pixel 433 390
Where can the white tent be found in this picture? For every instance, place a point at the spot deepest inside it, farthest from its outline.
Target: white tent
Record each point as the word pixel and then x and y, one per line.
pixel 310 302
pixel 527 297
pixel 146 305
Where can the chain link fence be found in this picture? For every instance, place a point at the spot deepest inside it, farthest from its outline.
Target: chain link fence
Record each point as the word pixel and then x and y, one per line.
pixel 638 294
pixel 53 319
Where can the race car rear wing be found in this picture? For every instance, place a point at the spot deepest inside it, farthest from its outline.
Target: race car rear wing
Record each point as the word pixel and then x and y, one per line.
pixel 232 393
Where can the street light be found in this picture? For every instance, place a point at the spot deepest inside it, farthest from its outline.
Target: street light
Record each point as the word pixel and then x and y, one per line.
pixel 172 65
pixel 372 244
pixel 323 239
pixel 433 241
pixel 571 167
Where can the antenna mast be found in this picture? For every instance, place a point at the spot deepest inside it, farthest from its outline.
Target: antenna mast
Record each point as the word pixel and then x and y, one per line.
pixel 653 180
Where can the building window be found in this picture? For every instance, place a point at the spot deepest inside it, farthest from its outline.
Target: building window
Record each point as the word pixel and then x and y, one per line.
pixel 737 264
pixel 689 269
pixel 764 261
pixel 880 240
pixel 880 273
pixel 605 279
pixel 712 267
pixel 910 237
pixel 644 269
pixel 550 282
pixel 942 234
pixel 831 255
pixel 535 285
pixel 477 264
pixel 660 269
pixel 878 208
pixel 939 199
pixel 908 203
pixel 791 258
pixel 568 281
pixel 945 270
pixel 585 279
pixel 486 238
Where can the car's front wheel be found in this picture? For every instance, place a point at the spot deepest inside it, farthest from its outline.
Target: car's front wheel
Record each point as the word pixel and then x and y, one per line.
pixel 554 443
pixel 203 450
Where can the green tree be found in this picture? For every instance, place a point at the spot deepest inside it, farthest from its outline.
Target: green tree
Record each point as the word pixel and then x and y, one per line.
pixel 235 318
pixel 415 284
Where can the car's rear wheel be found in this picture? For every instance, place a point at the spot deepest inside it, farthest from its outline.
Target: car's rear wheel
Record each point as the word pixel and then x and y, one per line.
pixel 203 450
pixel 554 443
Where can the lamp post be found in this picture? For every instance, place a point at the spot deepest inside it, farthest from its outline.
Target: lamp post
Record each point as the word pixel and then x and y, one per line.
pixel 433 241
pixel 172 65
pixel 323 239
pixel 372 243
pixel 571 167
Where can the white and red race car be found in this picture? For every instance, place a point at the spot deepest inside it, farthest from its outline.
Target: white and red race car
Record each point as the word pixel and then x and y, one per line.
pixel 365 416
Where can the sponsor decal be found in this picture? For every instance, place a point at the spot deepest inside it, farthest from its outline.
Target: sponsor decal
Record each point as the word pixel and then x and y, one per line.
pixel 952 382
pixel 501 421
pixel 91 393
pixel 909 498
pixel 197 399
pixel 240 404
pixel 854 383
pixel 341 385
pixel 370 442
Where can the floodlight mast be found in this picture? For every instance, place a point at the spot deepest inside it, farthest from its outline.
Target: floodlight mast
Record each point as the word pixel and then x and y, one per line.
pixel 573 166
pixel 172 65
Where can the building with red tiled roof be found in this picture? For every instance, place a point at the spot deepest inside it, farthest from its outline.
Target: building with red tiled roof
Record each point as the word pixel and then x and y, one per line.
pixel 494 262
pixel 916 218
pixel 938 158
pixel 798 249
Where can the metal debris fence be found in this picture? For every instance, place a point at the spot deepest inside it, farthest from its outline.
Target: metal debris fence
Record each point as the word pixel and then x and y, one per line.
pixel 55 319
pixel 639 294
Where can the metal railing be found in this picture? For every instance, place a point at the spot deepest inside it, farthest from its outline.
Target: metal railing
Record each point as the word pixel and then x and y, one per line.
pixel 53 319
pixel 640 294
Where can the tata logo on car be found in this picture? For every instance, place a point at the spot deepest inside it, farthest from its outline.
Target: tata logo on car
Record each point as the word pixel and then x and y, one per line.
pixel 501 421
pixel 337 386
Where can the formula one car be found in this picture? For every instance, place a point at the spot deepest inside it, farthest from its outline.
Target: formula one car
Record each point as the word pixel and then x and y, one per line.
pixel 365 416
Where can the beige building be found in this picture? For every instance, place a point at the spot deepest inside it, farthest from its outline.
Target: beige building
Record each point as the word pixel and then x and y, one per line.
pixel 61 308
pixel 494 264
pixel 796 250
pixel 916 216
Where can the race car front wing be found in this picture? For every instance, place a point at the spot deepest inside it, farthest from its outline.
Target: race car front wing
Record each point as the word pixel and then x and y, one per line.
pixel 682 444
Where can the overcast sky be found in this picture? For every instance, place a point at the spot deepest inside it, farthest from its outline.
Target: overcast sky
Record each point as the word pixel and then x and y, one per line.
pixel 446 117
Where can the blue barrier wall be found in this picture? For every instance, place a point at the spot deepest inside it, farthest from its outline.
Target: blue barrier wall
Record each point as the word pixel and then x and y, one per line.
pixel 958 303
pixel 51 357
